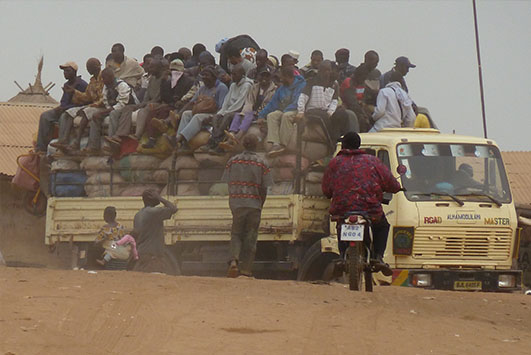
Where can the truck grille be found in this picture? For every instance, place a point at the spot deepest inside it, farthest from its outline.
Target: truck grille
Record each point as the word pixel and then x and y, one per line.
pixel 453 243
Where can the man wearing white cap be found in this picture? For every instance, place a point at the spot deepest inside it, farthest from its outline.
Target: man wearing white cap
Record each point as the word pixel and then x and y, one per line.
pixel 48 118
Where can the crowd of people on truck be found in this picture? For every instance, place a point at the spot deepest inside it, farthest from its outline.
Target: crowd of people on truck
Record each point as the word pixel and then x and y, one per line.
pixel 173 97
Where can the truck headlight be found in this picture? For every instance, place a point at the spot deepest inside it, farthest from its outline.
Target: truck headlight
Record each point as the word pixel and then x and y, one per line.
pixel 506 281
pixel 421 280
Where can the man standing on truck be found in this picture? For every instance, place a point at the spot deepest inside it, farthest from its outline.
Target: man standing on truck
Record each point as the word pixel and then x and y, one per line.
pixel 149 223
pixel 356 181
pixel 248 177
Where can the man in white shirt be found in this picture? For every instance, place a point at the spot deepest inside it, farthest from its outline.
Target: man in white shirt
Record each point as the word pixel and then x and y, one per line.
pixel 394 107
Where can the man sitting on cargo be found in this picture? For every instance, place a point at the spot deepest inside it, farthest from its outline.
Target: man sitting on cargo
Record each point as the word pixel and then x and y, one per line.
pixel 345 68
pixel 356 181
pixel 310 70
pixel 394 107
pixel 257 98
pixel 318 103
pixel 281 110
pixel 262 63
pixel 91 97
pixel 235 58
pixel 125 68
pixel 193 116
pixel 248 177
pixel 149 224
pixel 232 104
pixel 116 95
pixel 48 118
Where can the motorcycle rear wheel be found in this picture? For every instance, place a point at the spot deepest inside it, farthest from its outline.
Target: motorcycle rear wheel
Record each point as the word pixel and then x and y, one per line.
pixel 355 266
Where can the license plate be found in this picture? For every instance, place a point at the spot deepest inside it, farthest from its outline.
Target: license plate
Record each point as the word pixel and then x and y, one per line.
pixel 467 285
pixel 352 232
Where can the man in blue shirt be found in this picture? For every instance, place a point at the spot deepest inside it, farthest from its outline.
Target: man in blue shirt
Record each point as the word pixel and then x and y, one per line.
pixel 282 109
pixel 48 118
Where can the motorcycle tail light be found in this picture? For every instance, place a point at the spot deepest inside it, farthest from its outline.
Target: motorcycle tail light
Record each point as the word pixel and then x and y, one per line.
pixel 352 244
pixel 353 219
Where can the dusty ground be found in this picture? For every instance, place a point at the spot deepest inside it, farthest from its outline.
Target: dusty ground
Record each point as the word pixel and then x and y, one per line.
pixel 74 312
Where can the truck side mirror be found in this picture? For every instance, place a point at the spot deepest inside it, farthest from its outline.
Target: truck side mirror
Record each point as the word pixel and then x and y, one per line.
pixel 401 169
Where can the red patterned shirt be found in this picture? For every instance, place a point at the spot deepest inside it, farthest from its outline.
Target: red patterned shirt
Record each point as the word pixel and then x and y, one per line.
pixel 248 177
pixel 356 181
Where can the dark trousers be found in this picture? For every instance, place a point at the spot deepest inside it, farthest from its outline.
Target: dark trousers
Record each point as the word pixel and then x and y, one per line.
pixel 46 123
pixel 380 231
pixel 220 124
pixel 245 223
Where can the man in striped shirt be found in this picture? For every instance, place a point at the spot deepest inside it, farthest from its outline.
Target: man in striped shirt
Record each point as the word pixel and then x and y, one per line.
pixel 248 177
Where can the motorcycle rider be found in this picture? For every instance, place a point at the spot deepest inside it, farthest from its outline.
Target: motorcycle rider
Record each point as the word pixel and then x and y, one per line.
pixel 356 181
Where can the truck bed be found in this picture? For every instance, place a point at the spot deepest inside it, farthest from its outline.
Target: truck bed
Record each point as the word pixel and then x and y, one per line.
pixel 199 218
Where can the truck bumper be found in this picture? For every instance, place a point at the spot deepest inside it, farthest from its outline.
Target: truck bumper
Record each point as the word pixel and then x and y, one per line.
pixel 459 280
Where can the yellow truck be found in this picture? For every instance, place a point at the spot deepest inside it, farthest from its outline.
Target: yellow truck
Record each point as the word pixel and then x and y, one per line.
pixel 455 227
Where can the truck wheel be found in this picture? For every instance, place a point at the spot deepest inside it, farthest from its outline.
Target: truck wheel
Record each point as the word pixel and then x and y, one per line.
pixel 166 264
pixel 314 263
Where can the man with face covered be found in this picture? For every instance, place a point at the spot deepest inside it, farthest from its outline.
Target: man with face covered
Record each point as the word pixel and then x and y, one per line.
pixel 48 118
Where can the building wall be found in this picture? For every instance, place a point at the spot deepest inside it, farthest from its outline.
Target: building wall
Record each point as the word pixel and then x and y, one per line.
pixel 22 234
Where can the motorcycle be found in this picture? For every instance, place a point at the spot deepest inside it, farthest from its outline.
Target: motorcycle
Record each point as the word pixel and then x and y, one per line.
pixel 359 258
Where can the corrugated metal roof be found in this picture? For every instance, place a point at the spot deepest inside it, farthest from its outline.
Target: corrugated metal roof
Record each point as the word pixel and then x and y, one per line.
pixel 518 166
pixel 18 124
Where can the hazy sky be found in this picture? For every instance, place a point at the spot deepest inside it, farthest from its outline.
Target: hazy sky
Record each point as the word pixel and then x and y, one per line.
pixel 437 36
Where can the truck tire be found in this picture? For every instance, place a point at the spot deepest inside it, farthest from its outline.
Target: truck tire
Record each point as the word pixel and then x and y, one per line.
pixel 314 263
pixel 355 267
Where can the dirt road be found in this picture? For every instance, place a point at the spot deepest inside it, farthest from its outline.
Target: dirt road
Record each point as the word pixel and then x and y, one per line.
pixel 76 312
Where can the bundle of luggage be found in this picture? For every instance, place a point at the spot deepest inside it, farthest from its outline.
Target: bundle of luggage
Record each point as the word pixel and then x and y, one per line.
pixel 193 173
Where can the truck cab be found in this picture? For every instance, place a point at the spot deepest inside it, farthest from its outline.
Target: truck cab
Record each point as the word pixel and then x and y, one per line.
pixel 455 226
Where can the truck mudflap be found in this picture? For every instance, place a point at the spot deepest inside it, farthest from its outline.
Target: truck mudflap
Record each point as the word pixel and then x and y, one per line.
pixel 459 280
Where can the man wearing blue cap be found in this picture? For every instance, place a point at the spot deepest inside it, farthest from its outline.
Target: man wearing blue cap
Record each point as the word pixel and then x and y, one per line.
pixel 402 65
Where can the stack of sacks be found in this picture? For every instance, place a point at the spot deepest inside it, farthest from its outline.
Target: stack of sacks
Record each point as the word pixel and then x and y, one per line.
pixel 67 179
pixel 98 184
pixel 210 171
pixel 312 183
pixel 138 170
pixel 283 167
pixel 315 144
pixel 161 149
pixel 186 170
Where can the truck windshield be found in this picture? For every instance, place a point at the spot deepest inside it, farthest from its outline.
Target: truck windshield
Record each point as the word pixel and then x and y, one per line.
pixel 444 171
